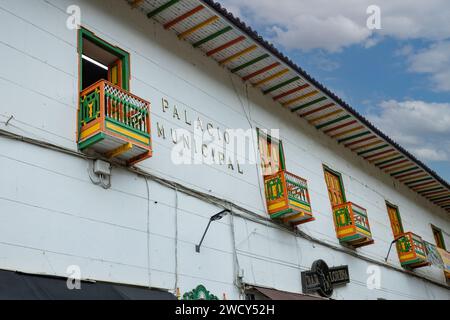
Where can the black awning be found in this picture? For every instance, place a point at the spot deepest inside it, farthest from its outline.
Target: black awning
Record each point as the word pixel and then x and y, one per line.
pixel 274 294
pixel 20 286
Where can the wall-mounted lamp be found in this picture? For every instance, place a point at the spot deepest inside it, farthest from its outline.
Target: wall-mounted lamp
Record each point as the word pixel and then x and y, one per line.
pixel 215 217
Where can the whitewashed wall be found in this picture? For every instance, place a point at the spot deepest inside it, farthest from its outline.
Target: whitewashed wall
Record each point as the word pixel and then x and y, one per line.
pixel 52 216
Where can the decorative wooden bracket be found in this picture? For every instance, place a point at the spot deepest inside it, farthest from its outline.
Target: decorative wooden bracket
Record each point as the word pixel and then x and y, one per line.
pixel 120 150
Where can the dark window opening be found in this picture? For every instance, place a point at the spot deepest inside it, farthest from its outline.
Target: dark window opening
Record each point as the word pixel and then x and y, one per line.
pixel 102 61
pixel 271 153
pixel 438 237
pixel 92 72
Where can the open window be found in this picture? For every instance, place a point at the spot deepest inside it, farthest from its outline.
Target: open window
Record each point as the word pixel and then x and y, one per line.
pixel 410 247
pixel 438 237
pixel 287 195
pixel 271 153
pixel 112 121
pixel 100 60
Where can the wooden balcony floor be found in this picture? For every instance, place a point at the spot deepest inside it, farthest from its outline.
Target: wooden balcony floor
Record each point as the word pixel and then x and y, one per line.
pixel 110 143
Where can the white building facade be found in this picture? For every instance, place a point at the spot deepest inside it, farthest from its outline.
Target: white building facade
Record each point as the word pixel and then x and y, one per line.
pixel 142 229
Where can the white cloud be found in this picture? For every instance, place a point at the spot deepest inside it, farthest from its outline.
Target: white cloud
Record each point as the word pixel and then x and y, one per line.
pixel 324 63
pixel 434 61
pixel 422 128
pixel 334 25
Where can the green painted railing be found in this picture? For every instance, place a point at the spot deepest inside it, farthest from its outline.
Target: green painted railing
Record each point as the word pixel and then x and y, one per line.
pixel 297 188
pixel 120 107
pixel 343 217
pixel 89 105
pixel 126 109
pixel 410 242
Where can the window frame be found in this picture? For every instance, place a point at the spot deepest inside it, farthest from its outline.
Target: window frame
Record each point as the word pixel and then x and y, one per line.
pixel 282 158
pixel 438 231
pixel 121 54
pixel 341 182
pixel 399 217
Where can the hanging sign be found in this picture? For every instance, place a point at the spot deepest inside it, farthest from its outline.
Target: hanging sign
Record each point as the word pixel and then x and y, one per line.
pixel 323 279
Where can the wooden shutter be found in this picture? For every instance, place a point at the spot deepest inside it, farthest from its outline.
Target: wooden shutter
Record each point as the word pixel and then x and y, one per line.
pixel 115 73
pixel 396 222
pixel 270 150
pixel 335 191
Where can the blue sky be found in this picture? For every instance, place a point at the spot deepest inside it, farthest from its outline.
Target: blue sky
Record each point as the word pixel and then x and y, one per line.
pixel 397 76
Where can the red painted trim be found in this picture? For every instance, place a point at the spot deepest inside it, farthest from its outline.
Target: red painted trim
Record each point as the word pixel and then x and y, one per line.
pixel 408 174
pixel 424 184
pixel 392 155
pixel 341 126
pixel 139 158
pixel 409 179
pixel 379 154
pixel 443 201
pixel 394 164
pixel 317 110
pixel 290 92
pixel 226 45
pixel 183 17
pixel 265 69
pixel 359 141
pixel 434 193
pixel 429 189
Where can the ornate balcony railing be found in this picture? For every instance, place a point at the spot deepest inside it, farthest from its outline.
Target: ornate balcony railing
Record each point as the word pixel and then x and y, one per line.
pixel 411 251
pixel 352 225
pixel 114 123
pixel 287 198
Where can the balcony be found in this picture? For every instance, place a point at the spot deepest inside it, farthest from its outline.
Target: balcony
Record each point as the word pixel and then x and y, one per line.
pixel 411 251
pixel 288 198
pixel 352 225
pixel 114 123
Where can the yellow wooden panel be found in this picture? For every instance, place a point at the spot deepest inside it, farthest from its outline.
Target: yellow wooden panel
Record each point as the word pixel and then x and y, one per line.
pixel 277 206
pixel 334 188
pixel 89 131
pixel 127 133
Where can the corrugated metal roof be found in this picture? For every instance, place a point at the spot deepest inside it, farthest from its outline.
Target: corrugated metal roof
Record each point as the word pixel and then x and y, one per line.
pixel 212 29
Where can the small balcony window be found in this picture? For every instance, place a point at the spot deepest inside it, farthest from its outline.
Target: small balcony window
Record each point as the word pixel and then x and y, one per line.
pixel 438 237
pixel 350 220
pixel 287 195
pixel 112 121
pixel 410 247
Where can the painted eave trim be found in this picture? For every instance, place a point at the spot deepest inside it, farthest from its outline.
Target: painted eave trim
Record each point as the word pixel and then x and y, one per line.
pixel 272 52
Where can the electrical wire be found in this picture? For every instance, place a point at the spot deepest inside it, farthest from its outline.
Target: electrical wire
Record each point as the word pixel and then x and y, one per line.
pixel 98 179
pixel 94 178
pixel 176 241
pixel 255 143
pixel 148 234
